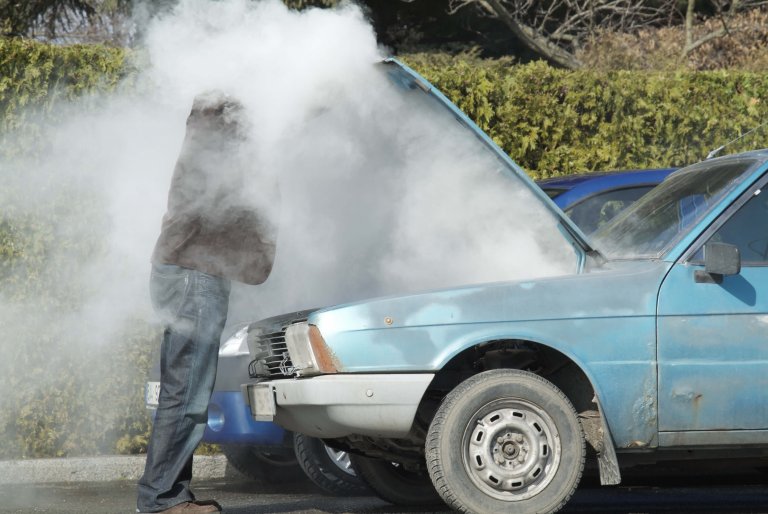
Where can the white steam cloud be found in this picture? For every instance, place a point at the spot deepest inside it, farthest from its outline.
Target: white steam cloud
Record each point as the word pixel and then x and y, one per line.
pixel 381 191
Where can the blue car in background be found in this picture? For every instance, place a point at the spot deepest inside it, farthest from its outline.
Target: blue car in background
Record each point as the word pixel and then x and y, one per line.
pixel 592 199
pixel 266 452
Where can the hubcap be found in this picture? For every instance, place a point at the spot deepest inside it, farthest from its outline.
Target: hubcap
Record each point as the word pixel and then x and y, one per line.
pixel 511 449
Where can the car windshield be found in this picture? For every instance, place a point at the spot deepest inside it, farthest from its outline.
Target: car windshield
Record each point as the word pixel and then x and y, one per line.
pixel 659 218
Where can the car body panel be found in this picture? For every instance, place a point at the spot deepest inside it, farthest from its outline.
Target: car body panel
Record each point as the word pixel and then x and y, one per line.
pixel 230 421
pixel 588 317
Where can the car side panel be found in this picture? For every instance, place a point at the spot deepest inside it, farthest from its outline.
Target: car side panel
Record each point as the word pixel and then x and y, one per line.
pixel 604 321
pixel 617 355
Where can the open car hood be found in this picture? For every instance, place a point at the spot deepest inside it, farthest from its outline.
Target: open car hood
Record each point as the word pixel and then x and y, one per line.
pixel 408 78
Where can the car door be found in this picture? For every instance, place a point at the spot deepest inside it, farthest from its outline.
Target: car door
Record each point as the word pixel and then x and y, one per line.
pixel 713 337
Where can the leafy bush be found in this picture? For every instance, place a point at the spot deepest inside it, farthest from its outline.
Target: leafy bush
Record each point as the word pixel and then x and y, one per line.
pixel 35 76
pixel 59 393
pixel 555 122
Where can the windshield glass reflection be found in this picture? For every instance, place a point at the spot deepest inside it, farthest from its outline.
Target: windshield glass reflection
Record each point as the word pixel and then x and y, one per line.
pixel 654 222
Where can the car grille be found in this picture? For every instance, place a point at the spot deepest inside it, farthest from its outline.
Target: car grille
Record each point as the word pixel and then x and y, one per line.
pixel 270 354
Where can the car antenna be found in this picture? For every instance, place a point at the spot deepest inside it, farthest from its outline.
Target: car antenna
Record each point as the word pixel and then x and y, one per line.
pixel 717 150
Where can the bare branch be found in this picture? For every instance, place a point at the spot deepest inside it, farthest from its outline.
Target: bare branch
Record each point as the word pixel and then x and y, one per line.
pixel 555 29
pixel 705 39
pixel 455 6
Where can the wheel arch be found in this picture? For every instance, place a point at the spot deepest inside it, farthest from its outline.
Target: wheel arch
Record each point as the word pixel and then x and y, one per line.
pixel 564 370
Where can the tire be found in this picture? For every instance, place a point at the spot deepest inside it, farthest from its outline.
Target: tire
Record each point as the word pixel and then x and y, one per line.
pixel 329 469
pixel 264 464
pixel 505 441
pixel 393 483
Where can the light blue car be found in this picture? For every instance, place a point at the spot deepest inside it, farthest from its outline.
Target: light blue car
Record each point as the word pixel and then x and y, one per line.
pixel 491 397
pixel 266 452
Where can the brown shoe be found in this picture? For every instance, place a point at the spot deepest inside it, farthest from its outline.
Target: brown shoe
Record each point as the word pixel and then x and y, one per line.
pixel 194 508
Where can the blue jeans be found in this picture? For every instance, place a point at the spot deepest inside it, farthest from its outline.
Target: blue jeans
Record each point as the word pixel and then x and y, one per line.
pixel 193 308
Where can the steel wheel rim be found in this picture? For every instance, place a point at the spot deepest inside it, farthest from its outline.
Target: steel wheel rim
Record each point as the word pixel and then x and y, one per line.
pixel 511 449
pixel 340 459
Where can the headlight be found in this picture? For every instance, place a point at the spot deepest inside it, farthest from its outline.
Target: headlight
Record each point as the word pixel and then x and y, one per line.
pixel 309 353
pixel 236 345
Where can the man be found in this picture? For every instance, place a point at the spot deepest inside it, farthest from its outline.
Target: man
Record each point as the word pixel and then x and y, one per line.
pixel 215 230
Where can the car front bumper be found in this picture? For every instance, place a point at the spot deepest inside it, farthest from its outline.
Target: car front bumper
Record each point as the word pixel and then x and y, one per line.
pixel 330 406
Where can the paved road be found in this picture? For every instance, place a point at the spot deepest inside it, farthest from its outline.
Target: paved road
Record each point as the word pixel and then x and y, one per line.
pixel 729 495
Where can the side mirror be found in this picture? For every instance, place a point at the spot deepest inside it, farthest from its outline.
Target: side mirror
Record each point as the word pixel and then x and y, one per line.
pixel 720 259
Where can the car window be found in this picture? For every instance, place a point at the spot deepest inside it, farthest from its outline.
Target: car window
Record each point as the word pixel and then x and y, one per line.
pixel 593 212
pixel 747 229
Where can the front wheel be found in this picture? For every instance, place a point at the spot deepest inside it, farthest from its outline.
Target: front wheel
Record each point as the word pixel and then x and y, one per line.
pixel 505 441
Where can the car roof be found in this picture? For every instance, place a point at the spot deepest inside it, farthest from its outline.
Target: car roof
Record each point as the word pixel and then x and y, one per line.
pixel 574 188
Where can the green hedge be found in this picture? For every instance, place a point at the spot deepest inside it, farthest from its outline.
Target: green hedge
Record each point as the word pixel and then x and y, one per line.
pixel 59 394
pixel 35 77
pixel 550 121
pixel 555 122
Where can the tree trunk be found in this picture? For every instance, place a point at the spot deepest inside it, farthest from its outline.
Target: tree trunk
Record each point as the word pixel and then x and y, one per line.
pixel 689 25
pixel 532 39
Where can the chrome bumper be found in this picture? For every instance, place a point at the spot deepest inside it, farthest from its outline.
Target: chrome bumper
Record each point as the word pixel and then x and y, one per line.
pixel 331 406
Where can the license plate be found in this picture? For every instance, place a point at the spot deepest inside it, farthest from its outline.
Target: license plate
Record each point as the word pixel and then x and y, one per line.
pixel 263 403
pixel 152 394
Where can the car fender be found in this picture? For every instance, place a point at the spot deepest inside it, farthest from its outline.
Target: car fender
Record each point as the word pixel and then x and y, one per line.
pixel 596 428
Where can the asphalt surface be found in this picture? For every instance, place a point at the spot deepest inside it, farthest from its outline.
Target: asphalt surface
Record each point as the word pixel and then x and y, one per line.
pixel 240 497
pixel 688 491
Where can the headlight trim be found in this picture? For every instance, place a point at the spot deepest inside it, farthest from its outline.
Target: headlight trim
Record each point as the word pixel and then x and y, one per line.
pixel 308 350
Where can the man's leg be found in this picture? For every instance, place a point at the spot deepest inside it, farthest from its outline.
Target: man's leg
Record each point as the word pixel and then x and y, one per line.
pixel 193 306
